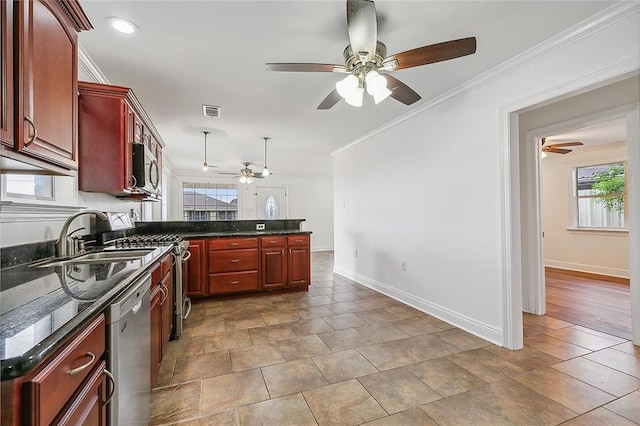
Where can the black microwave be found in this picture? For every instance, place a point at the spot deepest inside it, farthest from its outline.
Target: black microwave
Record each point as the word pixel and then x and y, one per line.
pixel 146 172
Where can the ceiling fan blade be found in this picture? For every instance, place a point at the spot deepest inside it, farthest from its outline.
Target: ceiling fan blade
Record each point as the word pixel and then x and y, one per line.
pixel 362 25
pixel 576 143
pixel 332 99
pixel 433 53
pixel 400 91
pixel 229 173
pixel 556 150
pixel 303 67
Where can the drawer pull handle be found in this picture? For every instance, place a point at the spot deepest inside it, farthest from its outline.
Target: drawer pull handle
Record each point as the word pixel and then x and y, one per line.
pixel 273 242
pixel 234 282
pixel 186 256
pixel 113 385
pixel 35 131
pixel 298 241
pixel 84 366
pixel 233 244
pixel 235 260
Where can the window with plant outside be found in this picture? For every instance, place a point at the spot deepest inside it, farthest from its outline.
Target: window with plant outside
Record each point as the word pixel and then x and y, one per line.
pixel 600 191
pixel 209 201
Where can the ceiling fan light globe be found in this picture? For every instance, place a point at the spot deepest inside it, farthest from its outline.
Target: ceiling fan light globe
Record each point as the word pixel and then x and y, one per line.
pixel 205 167
pixel 543 155
pixel 381 95
pixel 243 179
pixel 249 179
pixel 347 86
pixel 265 172
pixel 356 99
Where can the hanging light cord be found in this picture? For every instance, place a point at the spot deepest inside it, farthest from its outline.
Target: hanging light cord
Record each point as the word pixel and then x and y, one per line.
pixel 205 149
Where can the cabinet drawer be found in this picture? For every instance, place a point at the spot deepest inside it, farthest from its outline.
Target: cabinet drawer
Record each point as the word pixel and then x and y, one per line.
pixel 232 243
pixel 266 242
pixel 298 240
pixel 227 283
pixel 161 269
pixel 58 381
pixel 233 260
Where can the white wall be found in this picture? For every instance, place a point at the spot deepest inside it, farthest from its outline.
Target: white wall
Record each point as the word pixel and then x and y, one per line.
pixel 564 247
pixel 309 198
pixel 439 203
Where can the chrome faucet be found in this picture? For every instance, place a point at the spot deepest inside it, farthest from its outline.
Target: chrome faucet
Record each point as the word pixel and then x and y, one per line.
pixel 63 246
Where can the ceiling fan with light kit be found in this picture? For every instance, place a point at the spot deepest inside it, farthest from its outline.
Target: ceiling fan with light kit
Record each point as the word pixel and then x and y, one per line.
pixel 557 148
pixel 366 56
pixel 246 174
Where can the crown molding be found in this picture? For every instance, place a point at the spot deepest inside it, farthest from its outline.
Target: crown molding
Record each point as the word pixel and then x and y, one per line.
pixel 86 64
pixel 591 25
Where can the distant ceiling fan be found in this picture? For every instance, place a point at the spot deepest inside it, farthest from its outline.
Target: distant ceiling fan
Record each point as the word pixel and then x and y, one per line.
pixel 555 148
pixel 365 56
pixel 246 174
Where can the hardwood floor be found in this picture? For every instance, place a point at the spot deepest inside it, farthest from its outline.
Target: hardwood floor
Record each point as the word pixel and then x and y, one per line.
pixel 596 304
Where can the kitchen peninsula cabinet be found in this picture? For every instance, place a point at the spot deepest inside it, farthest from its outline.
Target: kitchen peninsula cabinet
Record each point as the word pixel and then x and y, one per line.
pixel 111 120
pixel 161 312
pixel 233 265
pixel 273 262
pixel 68 386
pixel 43 94
pixel 299 260
pixel 196 269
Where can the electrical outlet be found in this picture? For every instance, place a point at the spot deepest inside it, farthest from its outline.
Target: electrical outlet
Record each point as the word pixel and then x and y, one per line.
pixel 259 226
pixel 403 265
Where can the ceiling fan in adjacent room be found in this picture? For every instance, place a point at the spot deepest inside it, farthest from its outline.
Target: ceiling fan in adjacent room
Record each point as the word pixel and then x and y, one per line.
pixel 246 174
pixel 366 56
pixel 557 148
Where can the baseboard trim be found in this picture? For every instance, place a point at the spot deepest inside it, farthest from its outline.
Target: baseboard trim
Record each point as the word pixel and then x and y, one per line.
pixel 582 274
pixel 480 329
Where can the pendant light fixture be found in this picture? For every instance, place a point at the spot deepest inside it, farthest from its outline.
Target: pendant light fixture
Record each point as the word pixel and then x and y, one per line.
pixel 265 171
pixel 205 166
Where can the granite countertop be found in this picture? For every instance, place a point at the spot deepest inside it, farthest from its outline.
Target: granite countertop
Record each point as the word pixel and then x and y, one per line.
pixel 222 234
pixel 42 307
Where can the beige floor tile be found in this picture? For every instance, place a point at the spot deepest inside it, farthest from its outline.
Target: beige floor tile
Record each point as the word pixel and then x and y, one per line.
pixel 345 403
pixel 289 410
pixel 311 326
pixel 600 376
pixel 302 347
pixel 203 326
pixel 377 316
pixel 382 332
pixel 186 346
pixel 572 393
pixel 615 339
pixel 428 346
pixel 292 377
pixel 398 390
pixel 340 308
pixel 226 418
pixel 629 348
pixel 201 366
pixel 526 358
pixel 255 356
pixel 280 317
pixel 388 355
pixel 461 339
pixel 272 333
pixel 344 365
pixel 344 321
pixel 599 416
pixel 415 326
pixel 485 365
pixel 403 311
pixel 345 297
pixel 174 403
pixel 230 391
pixel 241 323
pixel 344 339
pixel 443 325
pixel 581 338
pixel 545 321
pixel 371 303
pixel 165 373
pixel 315 312
pixel 228 340
pixel 520 404
pixel 318 300
pixel 462 409
pixel 618 360
pixel 445 377
pixel 627 407
pixel 555 347
pixel 414 416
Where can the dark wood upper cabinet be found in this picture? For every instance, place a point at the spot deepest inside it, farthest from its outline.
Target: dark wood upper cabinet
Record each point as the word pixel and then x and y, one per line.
pixel 46 86
pixel 6 73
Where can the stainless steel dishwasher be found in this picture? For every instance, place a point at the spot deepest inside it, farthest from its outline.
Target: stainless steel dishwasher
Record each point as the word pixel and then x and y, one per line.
pixel 130 355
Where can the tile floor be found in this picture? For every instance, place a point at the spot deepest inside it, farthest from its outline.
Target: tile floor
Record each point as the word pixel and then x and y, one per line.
pixel 343 354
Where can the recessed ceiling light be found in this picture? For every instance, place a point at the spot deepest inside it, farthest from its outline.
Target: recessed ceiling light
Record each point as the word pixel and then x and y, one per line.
pixel 123 25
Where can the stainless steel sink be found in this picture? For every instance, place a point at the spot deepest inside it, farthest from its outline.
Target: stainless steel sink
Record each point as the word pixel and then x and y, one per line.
pixel 98 257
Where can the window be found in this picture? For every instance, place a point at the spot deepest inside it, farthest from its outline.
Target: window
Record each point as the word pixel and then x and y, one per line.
pixel 209 201
pixel 29 186
pixel 600 193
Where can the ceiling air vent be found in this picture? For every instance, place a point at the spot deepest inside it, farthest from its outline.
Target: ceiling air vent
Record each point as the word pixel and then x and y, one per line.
pixel 211 111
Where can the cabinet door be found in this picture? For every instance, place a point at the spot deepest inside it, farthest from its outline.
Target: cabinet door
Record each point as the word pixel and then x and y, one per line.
pixel 88 408
pixel 156 333
pixel 6 73
pixel 197 272
pixel 274 268
pixel 47 83
pixel 299 266
pixel 167 309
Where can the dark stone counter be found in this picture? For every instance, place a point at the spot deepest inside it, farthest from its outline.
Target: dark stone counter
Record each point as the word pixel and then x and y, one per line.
pixel 42 308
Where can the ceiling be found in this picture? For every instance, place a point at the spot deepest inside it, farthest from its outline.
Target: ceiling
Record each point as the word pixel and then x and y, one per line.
pixel 190 53
pixel 607 132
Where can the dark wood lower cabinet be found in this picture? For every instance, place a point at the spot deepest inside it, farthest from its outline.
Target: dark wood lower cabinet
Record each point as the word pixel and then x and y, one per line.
pixel 274 267
pixel 299 272
pixel 196 269
pixel 89 408
pixel 156 333
pixel 161 313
